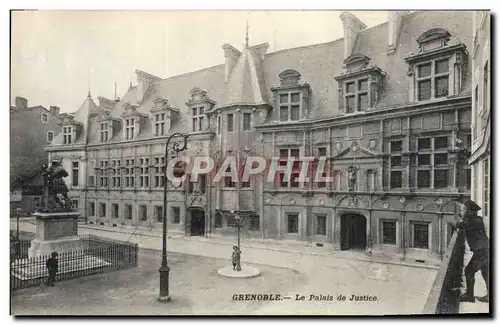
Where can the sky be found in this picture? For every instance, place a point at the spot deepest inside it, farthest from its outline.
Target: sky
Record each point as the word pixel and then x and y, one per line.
pixel 57 56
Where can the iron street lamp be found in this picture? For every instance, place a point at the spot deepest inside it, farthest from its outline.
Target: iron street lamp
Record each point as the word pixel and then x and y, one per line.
pixel 164 269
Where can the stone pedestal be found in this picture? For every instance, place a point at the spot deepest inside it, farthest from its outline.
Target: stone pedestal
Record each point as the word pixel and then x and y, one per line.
pixel 55 232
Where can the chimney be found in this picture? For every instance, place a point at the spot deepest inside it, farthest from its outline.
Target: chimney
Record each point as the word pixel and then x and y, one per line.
pixel 21 102
pixel 260 50
pixel 54 110
pixel 232 55
pixel 394 28
pixel 352 26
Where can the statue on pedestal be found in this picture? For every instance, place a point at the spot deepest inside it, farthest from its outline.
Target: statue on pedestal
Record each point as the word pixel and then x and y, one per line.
pixel 53 185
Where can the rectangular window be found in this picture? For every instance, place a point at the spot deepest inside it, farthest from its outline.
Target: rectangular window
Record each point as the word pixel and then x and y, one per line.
pixel 396 179
pixel 74 203
pixel 129 128
pixel 159 213
pixel 160 124
pixel 324 172
pixel 91 209
pixel 67 134
pixel 143 210
pixel 284 154
pixel 219 123
pixel 230 126
pixel 114 210
pixel 91 181
pixel 421 235
pixel 486 188
pixel 202 183
pixel 432 163
pixel 247 120
pixel 321 225
pixel 289 106
pixel 45 118
pixel 357 96
pixel 228 180
pixel 176 215
pixel 293 223
pixel 144 170
pixel 389 232
pixel 75 170
pixel 486 94
pixel 423 178
pixel 128 211
pixel 50 137
pixel 254 223
pixel 198 114
pixel 433 79
pixel 190 186
pixel 102 210
pixel 104 132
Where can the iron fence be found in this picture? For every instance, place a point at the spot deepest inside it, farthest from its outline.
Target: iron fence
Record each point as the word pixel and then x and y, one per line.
pixel 97 255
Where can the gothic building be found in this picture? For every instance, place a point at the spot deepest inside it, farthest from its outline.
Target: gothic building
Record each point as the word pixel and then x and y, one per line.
pixel 389 107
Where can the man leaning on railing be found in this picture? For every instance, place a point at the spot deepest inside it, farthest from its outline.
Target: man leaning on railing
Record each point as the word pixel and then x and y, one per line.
pixel 478 241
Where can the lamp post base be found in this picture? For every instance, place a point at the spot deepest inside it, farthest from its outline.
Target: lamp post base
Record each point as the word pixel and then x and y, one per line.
pixel 163 299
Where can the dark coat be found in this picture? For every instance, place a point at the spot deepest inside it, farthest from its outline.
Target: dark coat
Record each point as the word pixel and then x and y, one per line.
pixel 52 265
pixel 475 232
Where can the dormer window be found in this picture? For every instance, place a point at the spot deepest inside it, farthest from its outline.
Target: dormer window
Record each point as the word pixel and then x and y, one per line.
pixel 433 79
pixel 198 114
pixel 290 106
pixel 360 84
pixel 67 132
pixel 438 69
pixel 104 132
pixel 356 96
pixel 160 124
pixel 199 104
pixel 291 97
pixel 129 128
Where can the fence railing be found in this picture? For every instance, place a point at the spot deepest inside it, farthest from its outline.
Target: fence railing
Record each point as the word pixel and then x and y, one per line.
pixel 97 256
pixel 444 297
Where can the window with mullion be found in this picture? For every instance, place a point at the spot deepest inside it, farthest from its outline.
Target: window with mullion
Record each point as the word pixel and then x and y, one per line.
pixel 129 128
pixel 396 164
pixel 356 96
pixel 295 172
pixel 104 132
pixel 198 114
pixel 433 79
pixel 160 124
pixel 432 162
pixel 289 106
pixel 324 172
pixel 67 130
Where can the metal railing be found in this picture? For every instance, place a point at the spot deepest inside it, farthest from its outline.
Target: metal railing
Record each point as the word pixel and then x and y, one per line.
pixel 97 256
pixel 444 297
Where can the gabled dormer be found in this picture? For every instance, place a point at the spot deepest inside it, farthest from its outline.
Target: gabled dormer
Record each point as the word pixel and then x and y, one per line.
pixel 70 129
pixel 290 97
pixel 131 121
pixel 360 84
pixel 438 69
pixel 162 114
pixel 108 125
pixel 199 104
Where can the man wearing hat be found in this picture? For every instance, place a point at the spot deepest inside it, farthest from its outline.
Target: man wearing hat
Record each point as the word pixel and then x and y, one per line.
pixel 478 241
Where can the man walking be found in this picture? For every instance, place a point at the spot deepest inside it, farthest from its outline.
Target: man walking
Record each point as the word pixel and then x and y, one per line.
pixel 478 241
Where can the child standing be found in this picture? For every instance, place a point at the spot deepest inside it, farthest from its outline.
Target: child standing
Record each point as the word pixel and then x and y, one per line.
pixel 236 258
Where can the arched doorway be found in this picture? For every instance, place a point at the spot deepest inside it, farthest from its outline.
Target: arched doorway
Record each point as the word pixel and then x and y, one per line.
pixel 352 231
pixel 197 222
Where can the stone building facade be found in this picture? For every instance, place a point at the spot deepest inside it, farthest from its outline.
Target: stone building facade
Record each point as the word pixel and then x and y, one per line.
pixel 480 159
pixel 31 129
pixel 389 107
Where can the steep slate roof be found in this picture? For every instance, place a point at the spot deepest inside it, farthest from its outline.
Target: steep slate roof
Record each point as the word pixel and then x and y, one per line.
pixel 246 84
pixel 251 79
